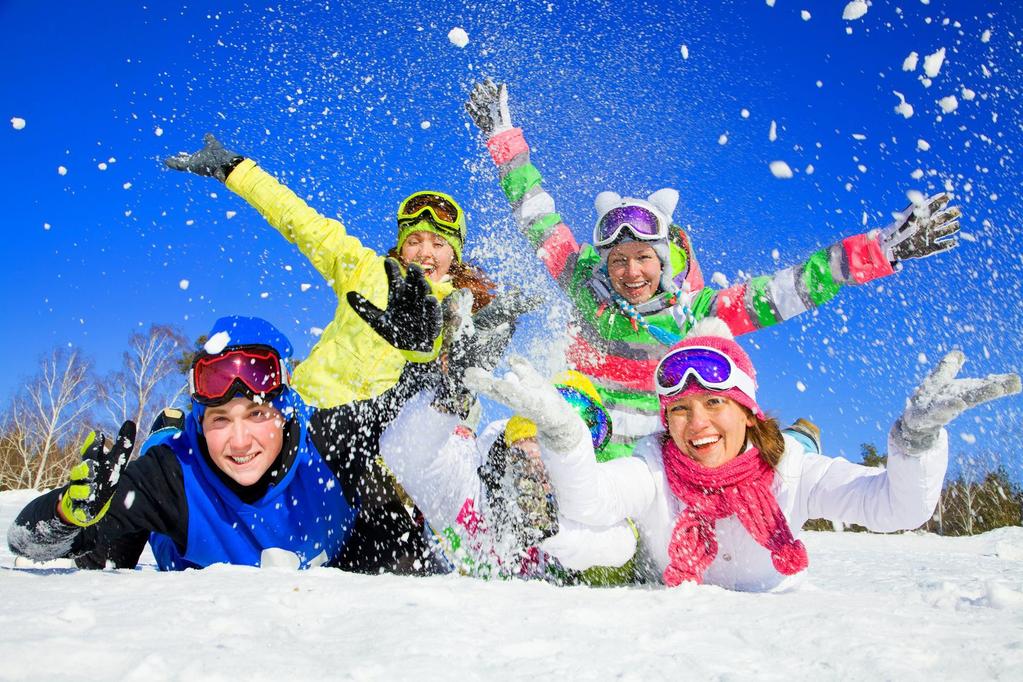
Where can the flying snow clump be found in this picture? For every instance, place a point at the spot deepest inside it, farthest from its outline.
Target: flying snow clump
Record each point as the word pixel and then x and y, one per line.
pixel 910 62
pixel 17 123
pixel 948 104
pixel 424 125
pixel 781 170
pixel 800 386
pixel 719 279
pixel 772 134
pixel 458 37
pixel 933 62
pixel 968 94
pixel 158 131
pixel 685 52
pixel 805 14
pixel 217 343
pixel 903 107
pixel 723 138
pixel 985 37
pixel 922 145
pixel 61 170
pixel 183 284
pixel 854 10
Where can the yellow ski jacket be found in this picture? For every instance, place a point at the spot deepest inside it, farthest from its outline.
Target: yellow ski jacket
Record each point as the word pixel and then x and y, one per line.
pixel 350 361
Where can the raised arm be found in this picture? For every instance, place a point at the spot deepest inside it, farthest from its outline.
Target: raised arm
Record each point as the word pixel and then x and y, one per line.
pixel 324 241
pixel 904 494
pixel 917 232
pixel 533 207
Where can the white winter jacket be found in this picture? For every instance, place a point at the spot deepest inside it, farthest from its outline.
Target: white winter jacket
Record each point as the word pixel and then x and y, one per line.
pixel 806 486
pixel 439 470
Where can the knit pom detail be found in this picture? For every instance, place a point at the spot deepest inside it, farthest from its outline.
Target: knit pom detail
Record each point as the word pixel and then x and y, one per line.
pixel 790 558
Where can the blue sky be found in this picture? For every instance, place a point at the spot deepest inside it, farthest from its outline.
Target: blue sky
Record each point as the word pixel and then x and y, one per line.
pixel 357 106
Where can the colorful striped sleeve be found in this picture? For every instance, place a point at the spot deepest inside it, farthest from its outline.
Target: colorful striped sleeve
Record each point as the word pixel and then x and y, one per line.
pixel 767 300
pixel 534 208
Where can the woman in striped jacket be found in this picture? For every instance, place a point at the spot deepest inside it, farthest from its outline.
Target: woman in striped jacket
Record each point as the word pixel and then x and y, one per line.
pixel 638 288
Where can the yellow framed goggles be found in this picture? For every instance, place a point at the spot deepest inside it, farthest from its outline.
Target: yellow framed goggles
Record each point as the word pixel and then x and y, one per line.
pixel 437 207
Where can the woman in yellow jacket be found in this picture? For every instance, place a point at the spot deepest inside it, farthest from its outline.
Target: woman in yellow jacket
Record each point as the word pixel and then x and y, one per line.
pixel 351 362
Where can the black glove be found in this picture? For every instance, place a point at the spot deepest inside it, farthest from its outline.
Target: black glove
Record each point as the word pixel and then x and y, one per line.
pixel 412 320
pixel 86 497
pixel 212 160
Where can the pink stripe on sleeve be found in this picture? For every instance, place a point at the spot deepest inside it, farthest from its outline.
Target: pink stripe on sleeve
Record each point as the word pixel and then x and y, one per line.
pixel 556 249
pixel 504 146
pixel 866 259
pixel 730 307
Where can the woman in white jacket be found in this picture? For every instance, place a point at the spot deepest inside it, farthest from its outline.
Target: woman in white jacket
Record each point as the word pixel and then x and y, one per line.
pixel 489 514
pixel 722 496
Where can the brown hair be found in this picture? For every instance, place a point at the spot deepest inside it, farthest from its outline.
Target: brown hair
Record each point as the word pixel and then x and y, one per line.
pixel 765 434
pixel 465 276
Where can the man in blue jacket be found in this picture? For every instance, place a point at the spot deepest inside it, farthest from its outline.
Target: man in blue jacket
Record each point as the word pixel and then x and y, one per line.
pixel 252 468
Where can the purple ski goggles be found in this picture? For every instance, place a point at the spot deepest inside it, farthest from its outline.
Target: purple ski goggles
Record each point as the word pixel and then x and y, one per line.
pixel 644 224
pixel 709 366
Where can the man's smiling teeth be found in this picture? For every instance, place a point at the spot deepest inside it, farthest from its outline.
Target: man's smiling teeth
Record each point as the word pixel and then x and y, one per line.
pixel 705 441
pixel 242 459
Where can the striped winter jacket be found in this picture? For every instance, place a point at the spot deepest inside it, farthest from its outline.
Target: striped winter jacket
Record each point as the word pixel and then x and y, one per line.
pixel 620 357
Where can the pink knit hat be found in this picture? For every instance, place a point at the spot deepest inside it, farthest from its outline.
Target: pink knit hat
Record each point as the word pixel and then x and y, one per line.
pixel 714 333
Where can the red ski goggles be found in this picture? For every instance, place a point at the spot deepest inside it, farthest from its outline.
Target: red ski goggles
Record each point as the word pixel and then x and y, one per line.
pixel 708 366
pixel 254 371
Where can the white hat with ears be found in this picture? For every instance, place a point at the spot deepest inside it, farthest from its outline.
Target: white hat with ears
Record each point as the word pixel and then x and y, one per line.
pixel 663 203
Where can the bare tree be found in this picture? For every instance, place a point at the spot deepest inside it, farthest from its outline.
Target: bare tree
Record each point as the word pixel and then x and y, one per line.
pixel 45 420
pixel 150 377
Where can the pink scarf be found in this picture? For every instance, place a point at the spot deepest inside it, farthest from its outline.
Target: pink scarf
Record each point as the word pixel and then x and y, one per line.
pixel 741 487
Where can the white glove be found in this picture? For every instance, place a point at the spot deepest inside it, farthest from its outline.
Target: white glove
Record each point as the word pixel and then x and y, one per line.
pixel 534 398
pixel 941 397
pixel 578 546
pixel 488 107
pixel 916 230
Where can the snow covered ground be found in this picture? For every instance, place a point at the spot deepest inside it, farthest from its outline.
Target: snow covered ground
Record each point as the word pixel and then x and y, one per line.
pixel 873 607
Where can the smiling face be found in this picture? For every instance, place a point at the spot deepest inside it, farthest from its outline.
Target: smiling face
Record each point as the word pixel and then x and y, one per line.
pixel 635 271
pixel 708 427
pixel 244 438
pixel 429 250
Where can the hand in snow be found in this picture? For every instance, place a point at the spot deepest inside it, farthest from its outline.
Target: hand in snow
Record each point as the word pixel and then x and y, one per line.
pixel 941 397
pixel 212 160
pixel 488 107
pixel 921 231
pixel 412 320
pixel 86 497
pixel 535 398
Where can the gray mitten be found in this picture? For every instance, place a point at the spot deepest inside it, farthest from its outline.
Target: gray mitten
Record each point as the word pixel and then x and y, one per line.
pixel 941 397
pixel 921 231
pixel 530 395
pixel 212 160
pixel 488 107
